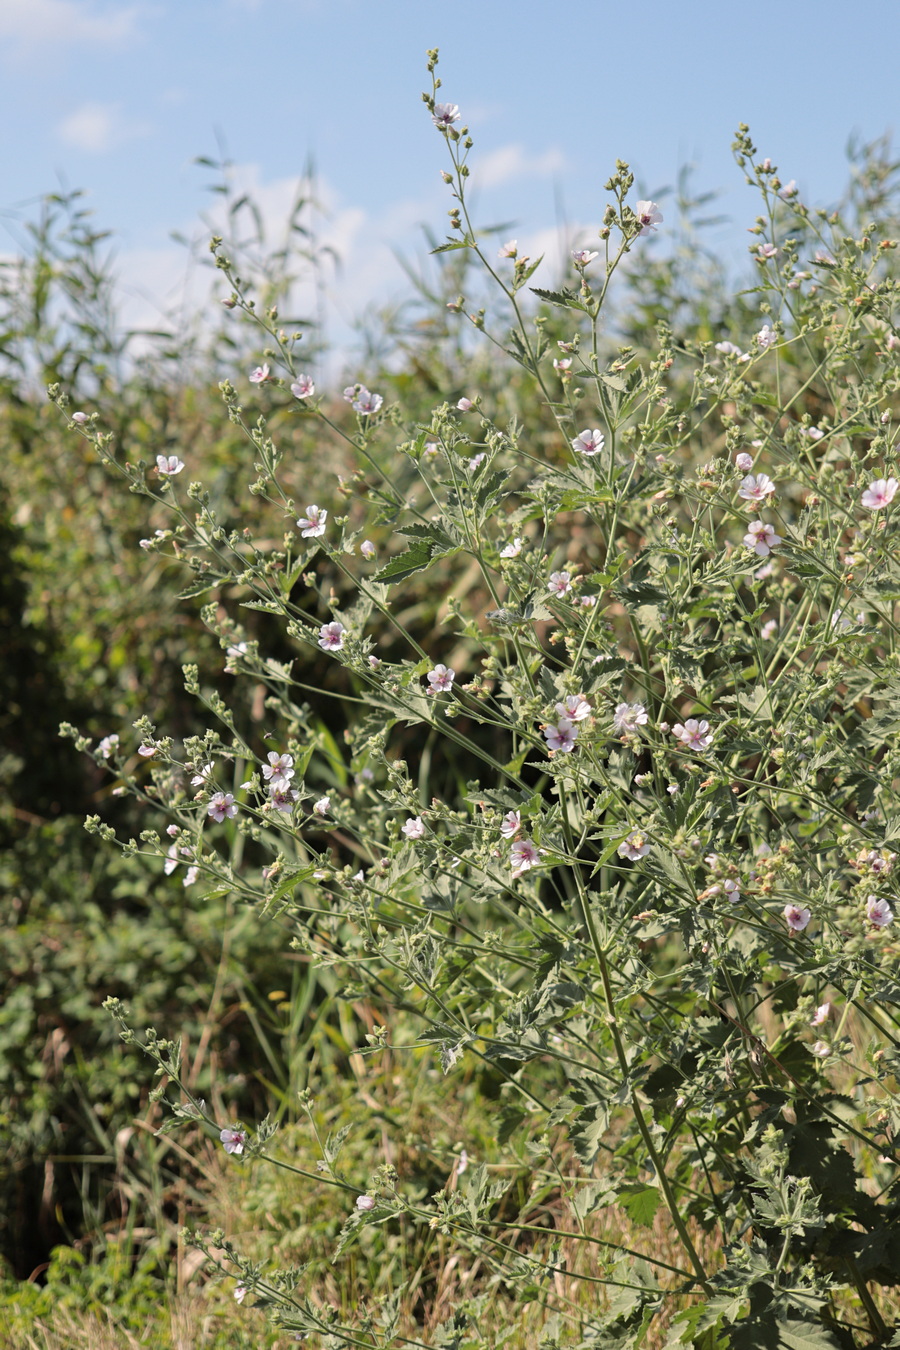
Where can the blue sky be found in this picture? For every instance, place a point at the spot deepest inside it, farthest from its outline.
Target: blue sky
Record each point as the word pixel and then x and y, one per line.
pixel 119 98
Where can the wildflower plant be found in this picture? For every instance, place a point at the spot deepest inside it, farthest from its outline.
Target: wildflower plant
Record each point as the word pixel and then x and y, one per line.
pixel 669 781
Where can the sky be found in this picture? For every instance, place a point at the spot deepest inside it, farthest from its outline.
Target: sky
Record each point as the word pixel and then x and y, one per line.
pixel 119 99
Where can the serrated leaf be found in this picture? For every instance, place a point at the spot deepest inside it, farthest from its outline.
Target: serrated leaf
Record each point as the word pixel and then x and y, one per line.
pixel 453 244
pixel 640 1202
pixel 414 559
pixel 564 299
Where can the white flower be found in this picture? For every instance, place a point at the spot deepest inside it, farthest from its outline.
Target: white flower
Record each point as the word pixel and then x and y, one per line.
pixel 796 917
pixel 761 537
pixel 477 459
pixel 414 828
pixel 583 256
pixel 766 337
pixel 430 448
pixel 728 349
pixel 512 549
pixel 172 860
pixel 769 629
pixel 234 1140
pixel 575 707
pixel 821 1049
pixel 202 774
pixel 463 1162
pixel 374 662
pixel 767 251
pixel 629 716
pixel 441 679
pixel 695 735
pixel 284 797
pixel 444 115
pixel 756 489
pixel 563 366
pixel 560 583
pixel 80 418
pixel 331 636
pixel 221 804
pixel 168 465
pixel 145 751
pixel 588 442
pixel 509 250
pixel 743 461
pixel 108 745
pixel 313 523
pixel 367 1202
pixel 279 771
pixel 173 830
pixel 240 1293
pixel 821 1015
pixel 510 824
pixel 812 433
pixel 367 548
pixel 879 494
pixel 789 190
pixel 649 216
pixel 465 405
pixel 259 375
pixel 561 737
pixel 191 876
pixel 732 891
pixel 523 855
pixel 634 846
pixel 366 403
pixel 878 912
pixel 322 806
pixel 303 387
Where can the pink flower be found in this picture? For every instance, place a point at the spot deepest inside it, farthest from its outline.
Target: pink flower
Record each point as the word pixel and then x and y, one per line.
pixel 629 716
pixel 465 405
pixel 523 855
pixel 366 403
pixel 80 418
pixel 744 461
pixel 634 846
pixel 233 1140
pixel 766 337
pixel 583 256
pixel 445 114
pixel 588 442
pixel 761 537
pixel 879 494
pixel 561 737
pixel 560 583
pixel 575 707
pixel 812 433
pixel 221 804
pixel 732 891
pixel 510 824
pixel 168 465
pixel 108 745
pixel 146 751
pixel 367 548
pixel 284 797
pixel 303 387
pixel 313 523
pixel 509 250
pixel 477 459
pixel 259 375
pixel 441 679
pixel 878 912
pixel 367 1202
pixel 821 1015
pixel 322 806
pixel 756 489
pixel 512 549
pixel 414 828
pixel 766 251
pixel 191 876
pixel 649 216
pixel 694 735
pixel 279 771
pixel 821 1049
pixel 796 917
pixel 789 190
pixel 769 629
pixel 331 636
pixel 240 1293
pixel 563 366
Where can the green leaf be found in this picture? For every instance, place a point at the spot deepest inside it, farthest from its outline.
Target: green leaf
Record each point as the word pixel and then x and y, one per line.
pixel 566 299
pixel 414 559
pixel 453 244
pixel 640 1202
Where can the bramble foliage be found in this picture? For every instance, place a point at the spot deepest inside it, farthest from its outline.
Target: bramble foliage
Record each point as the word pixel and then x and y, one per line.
pixel 610 638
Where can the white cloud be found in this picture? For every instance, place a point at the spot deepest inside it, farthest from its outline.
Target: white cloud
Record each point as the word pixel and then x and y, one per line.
pixel 97 127
pixel 67 22
pixel 511 161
